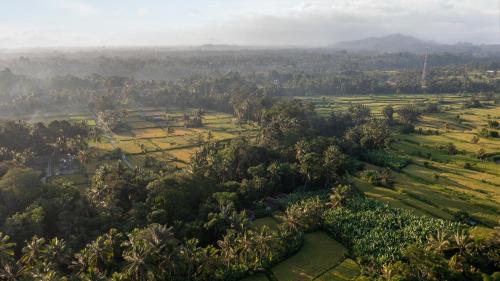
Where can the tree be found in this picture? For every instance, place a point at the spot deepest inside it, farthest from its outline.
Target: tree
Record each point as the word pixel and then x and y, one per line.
pixel 340 194
pixel 19 188
pixel 388 113
pixel 150 253
pixel 334 164
pixel 85 156
pixel 99 257
pixel 309 168
pixel 7 257
pixel 408 114
pixel 42 260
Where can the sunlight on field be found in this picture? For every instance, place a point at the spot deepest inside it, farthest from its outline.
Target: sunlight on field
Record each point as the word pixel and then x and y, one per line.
pixel 318 254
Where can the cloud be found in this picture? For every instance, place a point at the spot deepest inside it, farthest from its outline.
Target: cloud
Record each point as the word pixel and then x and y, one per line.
pixel 265 22
pixel 142 12
pixel 27 37
pixel 78 7
pixel 321 22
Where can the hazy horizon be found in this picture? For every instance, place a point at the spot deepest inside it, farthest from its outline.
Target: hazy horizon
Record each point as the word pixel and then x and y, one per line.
pixel 316 23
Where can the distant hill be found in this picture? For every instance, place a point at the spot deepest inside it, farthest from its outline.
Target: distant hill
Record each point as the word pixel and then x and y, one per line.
pixel 395 43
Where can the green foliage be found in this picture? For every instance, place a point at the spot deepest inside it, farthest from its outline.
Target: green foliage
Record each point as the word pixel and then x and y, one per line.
pixel 488 133
pixel 379 178
pixel 370 135
pixel 448 256
pixel 408 114
pixel 385 158
pixel 378 234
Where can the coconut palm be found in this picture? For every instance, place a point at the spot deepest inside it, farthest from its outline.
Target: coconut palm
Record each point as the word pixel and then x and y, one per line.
pixel 85 156
pixel 7 270
pixel 150 252
pixel 439 242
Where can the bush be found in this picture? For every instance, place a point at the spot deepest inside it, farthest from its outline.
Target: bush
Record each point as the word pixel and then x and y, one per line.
pixel 462 217
pixel 407 129
pixel 371 176
pixel 115 154
pixel 449 148
pixel 481 153
pixel 378 178
pixel 487 133
pixel 385 158
pixel 493 124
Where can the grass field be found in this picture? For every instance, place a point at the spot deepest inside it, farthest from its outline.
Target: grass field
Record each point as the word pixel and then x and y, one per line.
pixel 319 258
pixel 347 270
pixel 319 254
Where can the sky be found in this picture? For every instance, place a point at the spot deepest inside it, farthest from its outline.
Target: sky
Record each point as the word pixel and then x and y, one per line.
pixel 309 23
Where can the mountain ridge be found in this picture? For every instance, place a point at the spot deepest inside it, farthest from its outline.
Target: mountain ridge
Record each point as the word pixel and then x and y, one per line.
pixel 397 42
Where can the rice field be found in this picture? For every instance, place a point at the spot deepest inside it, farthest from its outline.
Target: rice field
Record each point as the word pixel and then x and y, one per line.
pixel 151 132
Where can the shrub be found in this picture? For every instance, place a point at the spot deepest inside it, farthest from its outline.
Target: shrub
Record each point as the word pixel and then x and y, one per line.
pixel 449 148
pixel 371 176
pixel 115 154
pixel 383 178
pixel 481 153
pixel 407 129
pixel 340 194
pixel 487 133
pixel 493 124
pixel 462 217
pixel 385 158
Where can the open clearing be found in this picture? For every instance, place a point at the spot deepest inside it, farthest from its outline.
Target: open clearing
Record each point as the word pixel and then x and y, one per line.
pixel 319 258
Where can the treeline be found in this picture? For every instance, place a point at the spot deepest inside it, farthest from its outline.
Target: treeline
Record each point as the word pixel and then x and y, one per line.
pixel 24 142
pixel 172 65
pixel 243 96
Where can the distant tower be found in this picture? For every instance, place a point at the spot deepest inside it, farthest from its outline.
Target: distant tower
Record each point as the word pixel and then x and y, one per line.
pixel 424 70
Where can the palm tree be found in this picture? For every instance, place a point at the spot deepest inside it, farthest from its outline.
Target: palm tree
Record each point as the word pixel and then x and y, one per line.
pixel 149 252
pixel 7 271
pixel 462 240
pixel 85 156
pixel 98 256
pixel 439 242
pixel 32 252
pixel 137 264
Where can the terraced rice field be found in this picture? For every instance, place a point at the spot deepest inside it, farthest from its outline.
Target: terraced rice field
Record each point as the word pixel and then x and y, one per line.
pixel 152 132
pixel 436 183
